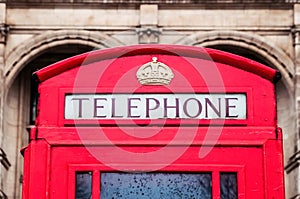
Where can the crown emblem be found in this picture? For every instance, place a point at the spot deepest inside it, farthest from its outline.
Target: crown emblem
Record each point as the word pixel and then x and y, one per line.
pixel 154 73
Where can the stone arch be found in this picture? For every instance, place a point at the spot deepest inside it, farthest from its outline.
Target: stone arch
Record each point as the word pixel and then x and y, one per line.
pixel 253 42
pixel 16 93
pixel 33 47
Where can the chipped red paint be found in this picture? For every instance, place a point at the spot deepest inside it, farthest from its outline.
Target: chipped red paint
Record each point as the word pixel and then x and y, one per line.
pixel 251 147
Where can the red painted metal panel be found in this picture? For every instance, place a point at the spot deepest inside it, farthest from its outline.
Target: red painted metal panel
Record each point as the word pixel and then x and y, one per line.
pixel 251 147
pixel 96 184
pixel 25 190
pixel 219 160
pixel 233 80
pixel 36 176
pixel 273 167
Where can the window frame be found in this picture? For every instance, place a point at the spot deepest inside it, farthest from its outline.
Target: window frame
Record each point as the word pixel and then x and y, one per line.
pixel 215 170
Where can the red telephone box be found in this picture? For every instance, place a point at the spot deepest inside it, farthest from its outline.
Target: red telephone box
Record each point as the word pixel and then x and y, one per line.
pixel 155 121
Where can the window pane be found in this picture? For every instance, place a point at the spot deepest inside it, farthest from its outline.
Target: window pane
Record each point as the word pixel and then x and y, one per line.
pixel 34 95
pixel 228 185
pixel 156 185
pixel 83 185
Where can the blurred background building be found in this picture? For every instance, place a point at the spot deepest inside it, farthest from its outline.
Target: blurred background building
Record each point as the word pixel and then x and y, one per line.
pixel 36 33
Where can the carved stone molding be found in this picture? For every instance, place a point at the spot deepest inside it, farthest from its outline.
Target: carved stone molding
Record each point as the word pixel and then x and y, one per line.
pixel 148 35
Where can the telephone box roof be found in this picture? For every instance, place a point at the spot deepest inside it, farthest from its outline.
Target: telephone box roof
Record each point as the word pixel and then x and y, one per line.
pixel 177 50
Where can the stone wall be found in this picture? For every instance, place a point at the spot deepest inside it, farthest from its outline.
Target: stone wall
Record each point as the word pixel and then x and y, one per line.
pixel 267 30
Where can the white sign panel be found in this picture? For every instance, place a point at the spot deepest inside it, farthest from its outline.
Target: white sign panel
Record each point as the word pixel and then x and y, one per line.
pixel 155 106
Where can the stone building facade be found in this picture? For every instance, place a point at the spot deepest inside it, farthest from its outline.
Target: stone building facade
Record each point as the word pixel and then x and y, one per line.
pixel 36 33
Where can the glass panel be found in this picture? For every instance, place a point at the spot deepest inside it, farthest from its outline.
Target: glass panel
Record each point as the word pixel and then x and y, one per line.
pixel 83 185
pixel 228 183
pixel 34 95
pixel 156 185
